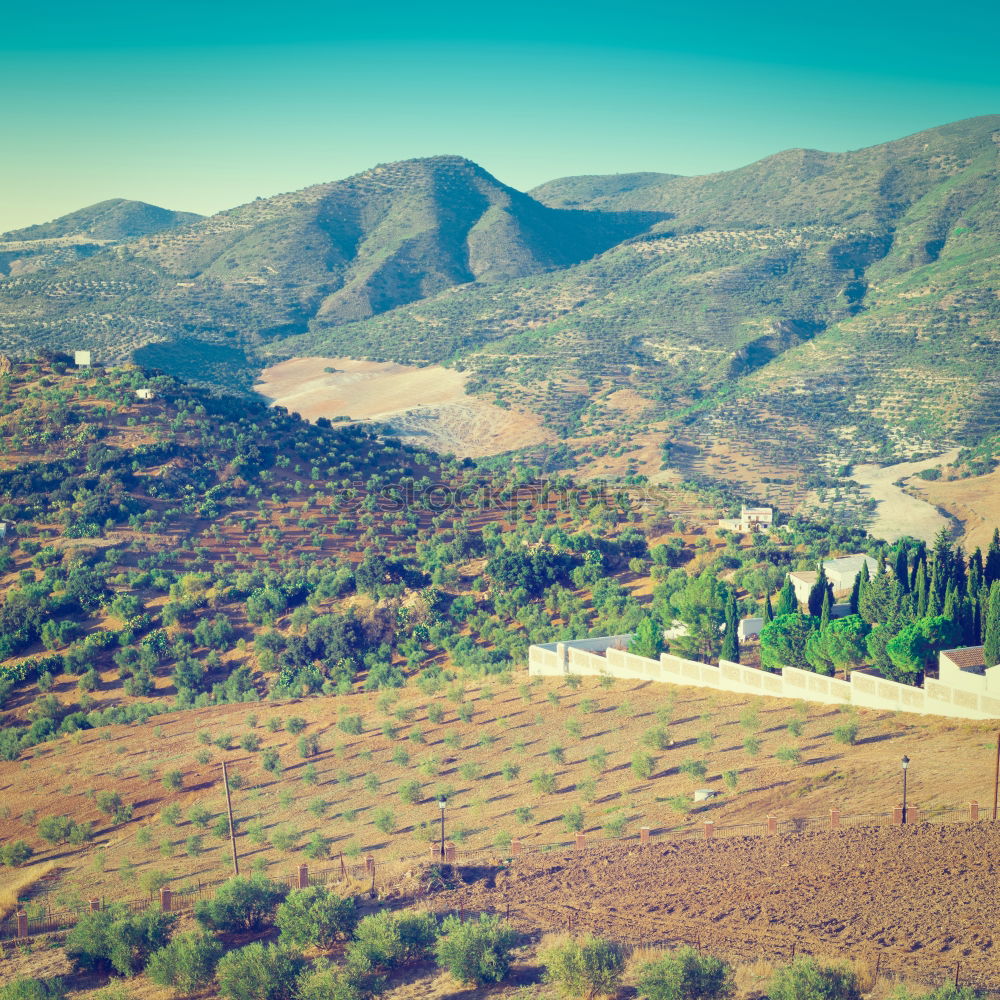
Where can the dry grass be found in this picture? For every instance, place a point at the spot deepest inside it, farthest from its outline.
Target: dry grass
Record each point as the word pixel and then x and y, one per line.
pixel 18 882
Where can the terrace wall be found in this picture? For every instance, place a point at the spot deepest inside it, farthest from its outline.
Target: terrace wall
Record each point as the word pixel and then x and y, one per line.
pixel 866 689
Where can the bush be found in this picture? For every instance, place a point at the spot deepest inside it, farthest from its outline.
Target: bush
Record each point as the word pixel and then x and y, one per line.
pixel 643 765
pixel 411 792
pixel 315 916
pixel 686 975
pixel 241 904
pixel 807 979
pixel 387 940
pixel 259 972
pixel 173 780
pixel 846 732
pixel 187 963
pixel 295 725
pixel 586 968
pixel 33 989
pixel 114 939
pixel 573 819
pixel 270 761
pixel 694 769
pixel 384 821
pixel 790 755
pixel 476 952
pixel 543 782
pixel 327 982
pixel 15 853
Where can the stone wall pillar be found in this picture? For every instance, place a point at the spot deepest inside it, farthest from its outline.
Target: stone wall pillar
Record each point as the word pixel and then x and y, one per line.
pixel 166 899
pixel 515 848
pixel 370 865
pixel 974 811
pixel 22 924
pixel 95 904
pixel 644 832
pixel 302 877
pixel 581 841
pixel 834 819
pixel 772 824
pixel 709 829
pixel 897 816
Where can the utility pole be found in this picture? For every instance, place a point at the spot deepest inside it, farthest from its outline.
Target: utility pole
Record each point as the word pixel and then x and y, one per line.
pixel 232 828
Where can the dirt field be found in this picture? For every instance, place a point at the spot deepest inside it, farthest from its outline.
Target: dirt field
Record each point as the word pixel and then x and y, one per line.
pixel 974 501
pixel 428 406
pixel 922 896
pixel 899 513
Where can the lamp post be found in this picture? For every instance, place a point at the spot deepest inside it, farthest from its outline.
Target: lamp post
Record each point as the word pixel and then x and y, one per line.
pixel 906 763
pixel 441 804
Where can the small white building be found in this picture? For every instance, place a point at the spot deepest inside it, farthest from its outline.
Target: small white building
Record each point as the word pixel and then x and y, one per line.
pixel 840 572
pixel 751 519
pixel 144 393
pixel 81 359
pixel 3 529
pixel 749 628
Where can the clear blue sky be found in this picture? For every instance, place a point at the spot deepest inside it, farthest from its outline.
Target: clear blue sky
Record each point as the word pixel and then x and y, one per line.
pixel 201 106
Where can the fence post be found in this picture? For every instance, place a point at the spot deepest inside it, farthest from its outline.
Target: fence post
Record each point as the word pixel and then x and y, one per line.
pixel 449 854
pixel 644 832
pixel 22 924
pixel 303 876
pixel 834 819
pixel 95 904
pixel 581 841
pixel 515 848
pixel 709 829
pixel 897 816
pixel 166 897
pixel 772 824
pixel 974 811
pixel 370 864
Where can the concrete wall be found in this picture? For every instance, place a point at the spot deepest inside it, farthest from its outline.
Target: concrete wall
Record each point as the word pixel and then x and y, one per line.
pixel 866 689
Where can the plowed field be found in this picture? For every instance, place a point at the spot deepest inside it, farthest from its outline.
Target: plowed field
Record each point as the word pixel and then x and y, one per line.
pixel 925 897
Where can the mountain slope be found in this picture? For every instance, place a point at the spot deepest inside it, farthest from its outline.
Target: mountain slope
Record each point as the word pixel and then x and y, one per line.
pixel 113 220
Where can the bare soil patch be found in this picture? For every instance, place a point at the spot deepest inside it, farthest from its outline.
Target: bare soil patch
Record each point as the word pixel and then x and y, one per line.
pixel 974 501
pixel 427 406
pixel 920 895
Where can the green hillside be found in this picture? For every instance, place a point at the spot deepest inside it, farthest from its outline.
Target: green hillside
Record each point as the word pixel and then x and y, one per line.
pixel 116 219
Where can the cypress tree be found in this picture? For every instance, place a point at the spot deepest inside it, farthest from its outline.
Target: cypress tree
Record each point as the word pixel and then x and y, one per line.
pixel 731 639
pixel 958 569
pixel 991 637
pixel 768 614
pixel 933 595
pixel 974 578
pixel 919 559
pixel 981 607
pixel 991 568
pixel 787 603
pixel 819 588
pixel 920 590
pixel 951 602
pixel 902 568
pixel 860 581
pixel 827 609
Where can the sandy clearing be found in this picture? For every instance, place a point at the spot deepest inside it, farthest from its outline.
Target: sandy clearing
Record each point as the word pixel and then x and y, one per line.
pixel 427 406
pixel 974 501
pixel 898 513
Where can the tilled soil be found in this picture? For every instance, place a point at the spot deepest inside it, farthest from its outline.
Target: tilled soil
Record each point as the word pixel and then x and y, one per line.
pixel 922 897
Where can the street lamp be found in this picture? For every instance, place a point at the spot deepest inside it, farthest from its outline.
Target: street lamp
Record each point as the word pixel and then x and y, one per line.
pixel 441 804
pixel 906 763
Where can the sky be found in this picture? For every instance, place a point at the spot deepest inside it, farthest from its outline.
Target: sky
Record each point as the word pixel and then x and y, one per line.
pixel 200 106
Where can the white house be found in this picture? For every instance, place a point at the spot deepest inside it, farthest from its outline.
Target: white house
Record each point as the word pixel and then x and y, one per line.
pixel 751 519
pixel 82 359
pixel 749 628
pixel 840 572
pixel 144 393
pixel 3 529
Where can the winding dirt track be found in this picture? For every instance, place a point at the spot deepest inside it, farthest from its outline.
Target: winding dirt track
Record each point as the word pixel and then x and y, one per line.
pixel 925 897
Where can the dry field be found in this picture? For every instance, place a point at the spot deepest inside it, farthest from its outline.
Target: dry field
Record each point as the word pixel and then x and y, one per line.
pixel 428 406
pixel 974 501
pixel 488 765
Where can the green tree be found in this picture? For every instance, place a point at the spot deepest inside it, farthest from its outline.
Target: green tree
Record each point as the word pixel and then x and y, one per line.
pixel 818 592
pixel 787 602
pixel 476 951
pixel 731 638
pixel 315 916
pixel 783 641
pixel 840 645
pixel 114 939
pixel 807 979
pixel 259 972
pixel 686 974
pixel 648 639
pixel 187 963
pixel 991 625
pixel 241 905
pixel 586 968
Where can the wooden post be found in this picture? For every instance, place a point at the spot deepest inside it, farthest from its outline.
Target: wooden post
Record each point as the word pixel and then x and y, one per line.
pixel 343 867
pixel 709 829
pixel 644 832
pixel 973 811
pixel 22 924
pixel 232 828
pixel 303 877
pixel 370 864
pixel 166 898
pixel 834 819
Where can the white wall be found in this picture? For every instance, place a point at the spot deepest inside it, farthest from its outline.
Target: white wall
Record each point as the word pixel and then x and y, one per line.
pixel 866 689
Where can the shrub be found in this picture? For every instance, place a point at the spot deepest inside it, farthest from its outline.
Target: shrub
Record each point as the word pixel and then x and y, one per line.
pixel 385 821
pixel 33 989
pixel 846 732
pixel 586 968
pixel 807 979
pixel 476 952
pixel 318 846
pixel 657 738
pixel 315 916
pixel 643 765
pixel 694 769
pixel 199 816
pixel 387 940
pixel 327 982
pixel 614 825
pixel 295 725
pixel 543 782
pixel 270 761
pixel 241 904
pixel 790 755
pixel 523 814
pixel 752 746
pixel 187 963
pixel 598 760
pixel 351 724
pixel 510 771
pixel 259 972
pixel 731 778
pixel 573 819
pixel 557 754
pixel 114 939
pixel 250 742
pixel 308 746
pixel 686 975
pixel 173 780
pixel 171 814
pixel 411 792
pixel 15 853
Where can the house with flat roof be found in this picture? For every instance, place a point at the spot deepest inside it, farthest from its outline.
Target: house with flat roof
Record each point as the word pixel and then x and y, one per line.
pixel 841 573
pixel 751 519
